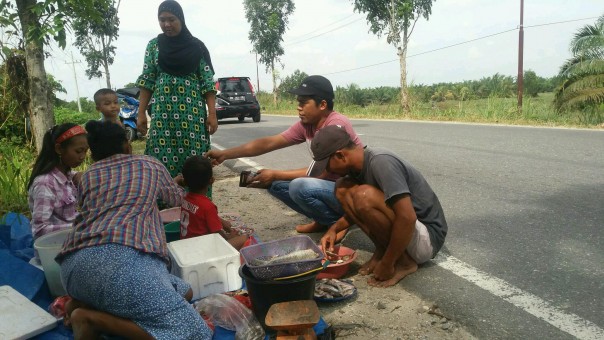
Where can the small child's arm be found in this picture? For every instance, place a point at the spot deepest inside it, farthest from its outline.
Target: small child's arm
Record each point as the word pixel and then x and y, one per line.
pixel 226 225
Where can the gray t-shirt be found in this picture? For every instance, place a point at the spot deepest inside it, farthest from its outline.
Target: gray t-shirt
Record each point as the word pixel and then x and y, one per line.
pixel 394 176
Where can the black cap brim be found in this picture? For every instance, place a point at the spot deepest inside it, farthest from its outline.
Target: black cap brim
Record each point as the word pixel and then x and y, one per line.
pixel 316 168
pixel 302 91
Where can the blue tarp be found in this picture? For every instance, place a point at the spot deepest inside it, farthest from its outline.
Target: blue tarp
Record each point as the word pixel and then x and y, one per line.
pixel 16 249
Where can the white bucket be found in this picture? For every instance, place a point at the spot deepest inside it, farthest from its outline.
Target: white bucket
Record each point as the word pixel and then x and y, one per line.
pixel 48 247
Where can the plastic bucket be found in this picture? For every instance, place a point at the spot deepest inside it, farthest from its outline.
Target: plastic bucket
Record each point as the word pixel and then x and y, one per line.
pixel 170 215
pixel 264 293
pixel 172 231
pixel 48 247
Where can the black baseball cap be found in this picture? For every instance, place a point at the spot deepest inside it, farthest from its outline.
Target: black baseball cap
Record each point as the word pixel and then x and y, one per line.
pixel 314 86
pixel 325 143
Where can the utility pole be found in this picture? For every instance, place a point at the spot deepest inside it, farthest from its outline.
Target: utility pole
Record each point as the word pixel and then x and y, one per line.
pixel 75 77
pixel 520 79
pixel 257 77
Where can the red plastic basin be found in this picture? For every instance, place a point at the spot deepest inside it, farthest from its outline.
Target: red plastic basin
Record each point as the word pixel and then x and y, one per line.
pixel 337 270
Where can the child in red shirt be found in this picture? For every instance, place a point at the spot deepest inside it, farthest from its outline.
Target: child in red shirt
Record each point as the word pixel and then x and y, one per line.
pixel 198 215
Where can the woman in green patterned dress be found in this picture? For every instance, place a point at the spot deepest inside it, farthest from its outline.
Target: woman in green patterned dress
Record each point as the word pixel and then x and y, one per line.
pixel 178 80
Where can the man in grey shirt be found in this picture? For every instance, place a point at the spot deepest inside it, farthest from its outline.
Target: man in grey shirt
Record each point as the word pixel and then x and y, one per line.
pixel 388 199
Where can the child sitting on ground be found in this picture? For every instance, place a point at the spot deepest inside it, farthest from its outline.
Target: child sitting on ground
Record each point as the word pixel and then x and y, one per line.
pixel 108 105
pixel 198 215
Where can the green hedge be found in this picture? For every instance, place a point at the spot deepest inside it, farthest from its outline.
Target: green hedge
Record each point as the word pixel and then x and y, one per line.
pixel 67 115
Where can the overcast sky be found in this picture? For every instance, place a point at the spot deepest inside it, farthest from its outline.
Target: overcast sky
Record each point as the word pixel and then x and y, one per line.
pixel 327 37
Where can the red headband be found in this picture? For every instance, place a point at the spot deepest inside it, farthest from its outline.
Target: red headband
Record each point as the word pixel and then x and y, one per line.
pixel 74 131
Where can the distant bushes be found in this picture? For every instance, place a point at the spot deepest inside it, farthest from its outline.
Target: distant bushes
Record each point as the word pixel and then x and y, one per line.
pixel 496 86
pixel 68 115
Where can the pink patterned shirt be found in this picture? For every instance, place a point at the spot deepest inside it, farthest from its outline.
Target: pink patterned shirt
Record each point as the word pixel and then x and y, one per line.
pixel 52 202
pixel 300 133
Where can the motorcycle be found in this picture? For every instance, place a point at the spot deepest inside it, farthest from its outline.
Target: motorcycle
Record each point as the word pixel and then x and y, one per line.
pixel 129 110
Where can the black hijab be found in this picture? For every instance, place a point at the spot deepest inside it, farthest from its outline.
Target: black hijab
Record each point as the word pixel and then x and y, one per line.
pixel 180 55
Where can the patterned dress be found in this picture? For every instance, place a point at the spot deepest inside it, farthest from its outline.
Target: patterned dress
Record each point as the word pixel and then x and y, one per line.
pixel 178 111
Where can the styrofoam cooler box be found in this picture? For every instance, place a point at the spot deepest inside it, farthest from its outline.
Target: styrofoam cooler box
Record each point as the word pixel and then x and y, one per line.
pixel 208 263
pixel 21 318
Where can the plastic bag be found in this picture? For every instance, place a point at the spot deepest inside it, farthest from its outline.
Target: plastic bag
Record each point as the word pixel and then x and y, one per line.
pixel 226 312
pixel 57 307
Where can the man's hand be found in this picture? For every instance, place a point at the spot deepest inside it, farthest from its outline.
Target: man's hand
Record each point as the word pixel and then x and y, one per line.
pixel 263 179
pixel 226 225
pixel 141 123
pixel 216 156
pixel 180 180
pixel 328 240
pixel 77 178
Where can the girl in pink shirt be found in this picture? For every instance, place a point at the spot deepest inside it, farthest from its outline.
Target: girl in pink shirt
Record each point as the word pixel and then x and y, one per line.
pixel 52 185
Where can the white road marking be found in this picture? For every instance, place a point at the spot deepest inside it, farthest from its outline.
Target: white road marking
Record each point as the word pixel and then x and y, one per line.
pixel 243 160
pixel 226 180
pixel 532 304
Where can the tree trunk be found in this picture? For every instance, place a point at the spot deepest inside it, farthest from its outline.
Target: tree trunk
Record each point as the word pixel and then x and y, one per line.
pixel 105 61
pixel 402 55
pixel 274 83
pixel 107 76
pixel 40 106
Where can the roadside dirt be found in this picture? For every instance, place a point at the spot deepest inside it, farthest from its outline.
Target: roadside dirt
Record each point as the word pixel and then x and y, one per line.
pixel 374 313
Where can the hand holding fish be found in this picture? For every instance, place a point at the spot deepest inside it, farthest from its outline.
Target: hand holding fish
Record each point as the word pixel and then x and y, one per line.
pixel 328 240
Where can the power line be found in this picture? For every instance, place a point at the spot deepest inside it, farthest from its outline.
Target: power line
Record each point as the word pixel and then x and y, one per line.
pixel 560 22
pixel 315 36
pixel 460 43
pixel 426 52
pixel 320 28
pixel 318 35
pixel 303 40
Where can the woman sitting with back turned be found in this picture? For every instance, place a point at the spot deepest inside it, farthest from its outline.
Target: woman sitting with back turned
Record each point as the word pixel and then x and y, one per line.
pixel 114 261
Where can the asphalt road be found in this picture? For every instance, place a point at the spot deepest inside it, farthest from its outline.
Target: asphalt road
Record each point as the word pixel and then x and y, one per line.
pixel 524 257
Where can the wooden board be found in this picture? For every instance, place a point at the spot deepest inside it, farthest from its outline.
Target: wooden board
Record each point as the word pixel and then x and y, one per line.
pixel 293 315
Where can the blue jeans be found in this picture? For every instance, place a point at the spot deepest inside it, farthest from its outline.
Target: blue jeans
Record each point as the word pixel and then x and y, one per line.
pixel 312 197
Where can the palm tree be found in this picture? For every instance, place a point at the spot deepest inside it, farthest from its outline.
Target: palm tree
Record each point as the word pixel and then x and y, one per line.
pixel 583 74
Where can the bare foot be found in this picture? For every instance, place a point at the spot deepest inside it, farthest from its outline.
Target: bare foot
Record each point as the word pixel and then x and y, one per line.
pixel 368 267
pixel 81 324
pixel 310 227
pixel 71 305
pixel 404 267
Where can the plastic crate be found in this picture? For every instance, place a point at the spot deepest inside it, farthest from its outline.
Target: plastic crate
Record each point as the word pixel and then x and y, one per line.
pixel 208 263
pixel 280 248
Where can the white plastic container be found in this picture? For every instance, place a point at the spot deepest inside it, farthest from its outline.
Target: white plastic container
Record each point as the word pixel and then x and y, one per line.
pixel 48 247
pixel 208 263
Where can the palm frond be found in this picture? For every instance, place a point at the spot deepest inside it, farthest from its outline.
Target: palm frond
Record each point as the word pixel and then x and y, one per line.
pixel 589 97
pixel 580 91
pixel 589 38
pixel 584 72
pixel 585 67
